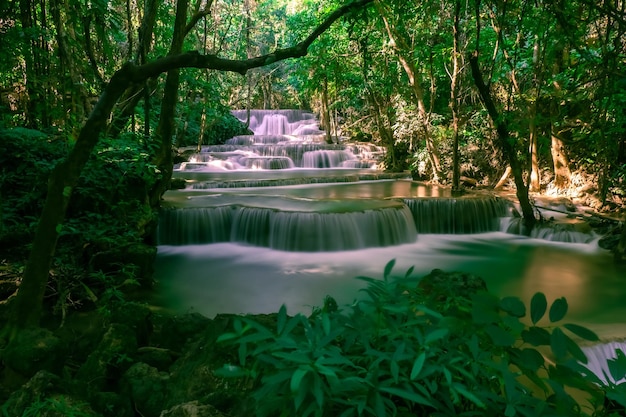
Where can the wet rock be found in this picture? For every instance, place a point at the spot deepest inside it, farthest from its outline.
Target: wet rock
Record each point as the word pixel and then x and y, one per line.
pixel 137 317
pixel 146 387
pixel 192 409
pixel 34 350
pixel 41 385
pixel 159 358
pixel 174 332
pixel 113 356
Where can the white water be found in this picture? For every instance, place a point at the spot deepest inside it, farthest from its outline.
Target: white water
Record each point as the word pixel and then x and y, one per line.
pixel 253 237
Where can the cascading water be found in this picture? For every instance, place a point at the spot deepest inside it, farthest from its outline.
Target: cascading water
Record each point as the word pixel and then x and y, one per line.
pixel 277 218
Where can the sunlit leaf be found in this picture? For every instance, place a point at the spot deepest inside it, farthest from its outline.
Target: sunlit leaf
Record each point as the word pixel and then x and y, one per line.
pixel 558 309
pixel 538 306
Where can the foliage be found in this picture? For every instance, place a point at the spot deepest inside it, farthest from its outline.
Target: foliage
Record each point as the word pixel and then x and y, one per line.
pixel 26 159
pixel 400 352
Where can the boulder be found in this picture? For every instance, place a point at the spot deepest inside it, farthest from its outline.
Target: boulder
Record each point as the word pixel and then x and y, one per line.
pixel 34 350
pixel 114 355
pixel 192 409
pixel 147 388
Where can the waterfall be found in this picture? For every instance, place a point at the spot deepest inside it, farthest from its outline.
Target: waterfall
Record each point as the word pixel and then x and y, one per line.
pixel 458 215
pixel 598 357
pixel 194 225
pixel 288 230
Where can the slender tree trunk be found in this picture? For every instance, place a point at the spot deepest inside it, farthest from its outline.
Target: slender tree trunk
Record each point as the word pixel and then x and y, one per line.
pixel 325 116
pixel 535 181
pixel 166 128
pixel 454 99
pixel 27 307
pixel 505 144
pixel 401 47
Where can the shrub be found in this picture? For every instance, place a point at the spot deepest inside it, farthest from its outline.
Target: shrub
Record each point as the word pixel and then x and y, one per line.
pixel 399 352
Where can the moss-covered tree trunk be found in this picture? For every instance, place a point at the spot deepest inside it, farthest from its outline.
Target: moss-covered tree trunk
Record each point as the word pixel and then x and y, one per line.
pixel 27 307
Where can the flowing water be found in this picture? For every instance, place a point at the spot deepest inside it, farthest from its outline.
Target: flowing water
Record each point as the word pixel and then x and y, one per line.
pixel 282 217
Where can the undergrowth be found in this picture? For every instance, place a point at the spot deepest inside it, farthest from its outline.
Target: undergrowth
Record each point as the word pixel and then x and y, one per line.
pixel 400 352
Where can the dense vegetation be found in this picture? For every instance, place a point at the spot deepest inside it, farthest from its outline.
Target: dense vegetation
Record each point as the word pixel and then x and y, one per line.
pixel 475 89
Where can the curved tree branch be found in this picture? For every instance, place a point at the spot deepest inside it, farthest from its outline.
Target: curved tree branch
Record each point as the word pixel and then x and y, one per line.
pixel 27 306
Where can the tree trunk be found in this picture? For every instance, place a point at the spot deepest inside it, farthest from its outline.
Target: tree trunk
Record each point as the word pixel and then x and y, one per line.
pixel 454 100
pixel 401 47
pixel 325 113
pixel 26 308
pixel 535 181
pixel 560 162
pixel 165 130
pixel 505 143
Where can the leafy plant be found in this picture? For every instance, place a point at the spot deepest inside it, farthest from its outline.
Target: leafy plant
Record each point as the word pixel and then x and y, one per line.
pixel 398 351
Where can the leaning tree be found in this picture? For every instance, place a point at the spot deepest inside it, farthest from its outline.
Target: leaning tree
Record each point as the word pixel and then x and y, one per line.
pixel 27 307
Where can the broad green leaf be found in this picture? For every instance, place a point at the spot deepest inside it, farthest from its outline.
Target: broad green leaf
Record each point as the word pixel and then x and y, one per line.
pixel 461 389
pixel 409 272
pixel 558 309
pixel 296 379
pixel 575 350
pixel 395 370
pixel 538 306
pixel 417 365
pixel 510 410
pixel 388 268
pixel 536 336
pixel 558 343
pixel 617 366
pixel 531 359
pixel 281 319
pixel 326 323
pixel 514 306
pixel 582 332
pixel 407 395
pixel 499 336
pixel 436 335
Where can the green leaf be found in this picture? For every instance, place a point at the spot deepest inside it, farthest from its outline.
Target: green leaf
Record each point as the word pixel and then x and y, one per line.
pixel 538 306
pixel 513 306
pixel 409 272
pixel 617 366
pixel 499 336
pixel 531 359
pixel 281 319
pixel 582 332
pixel 296 379
pixel 558 309
pixel 418 365
pixel 536 336
pixel 407 395
pixel 436 335
pixel 575 350
pixel 461 389
pixel 67 191
pixel 388 268
pixel 558 343
pixel 326 323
